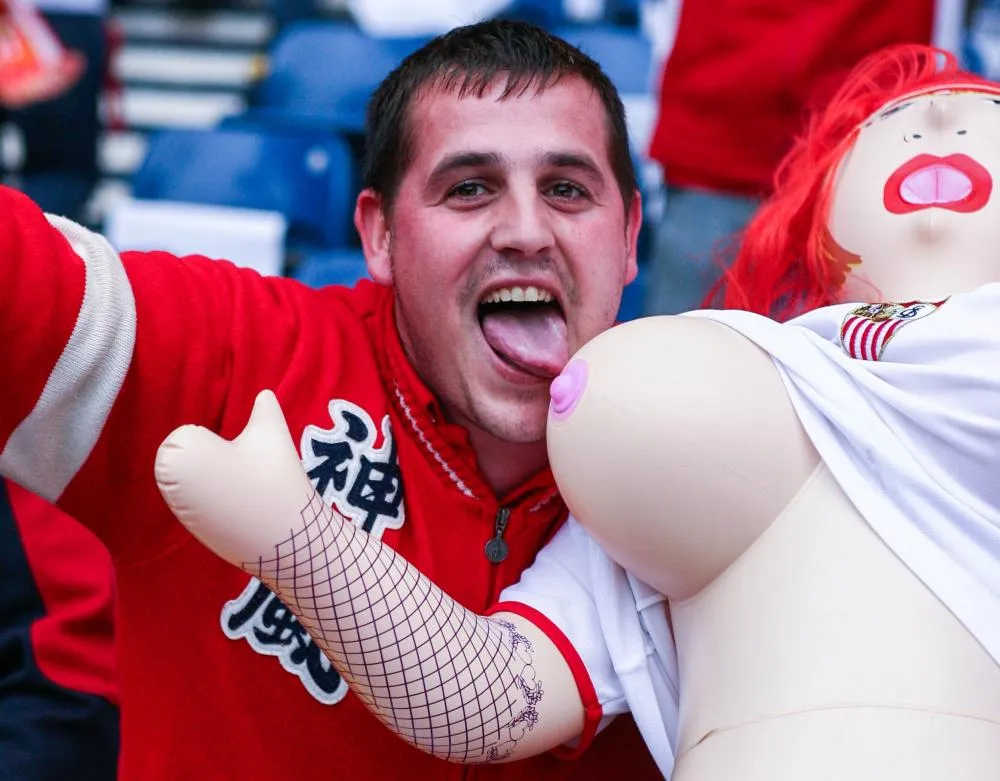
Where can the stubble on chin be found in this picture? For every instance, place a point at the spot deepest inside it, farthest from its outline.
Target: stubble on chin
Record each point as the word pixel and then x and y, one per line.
pixel 520 419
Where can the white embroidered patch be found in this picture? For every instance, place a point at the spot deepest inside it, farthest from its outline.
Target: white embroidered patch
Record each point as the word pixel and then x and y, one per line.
pixel 349 471
pixel 364 483
pixel 271 629
pixel 866 331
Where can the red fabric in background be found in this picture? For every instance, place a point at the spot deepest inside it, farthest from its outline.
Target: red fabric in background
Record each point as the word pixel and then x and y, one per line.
pixel 741 73
pixel 74 641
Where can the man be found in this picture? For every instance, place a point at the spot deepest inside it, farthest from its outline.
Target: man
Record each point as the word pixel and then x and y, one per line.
pixel 499 221
pixel 808 526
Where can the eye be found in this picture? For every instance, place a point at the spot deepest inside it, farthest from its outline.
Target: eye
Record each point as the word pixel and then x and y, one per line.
pixel 567 191
pixel 467 189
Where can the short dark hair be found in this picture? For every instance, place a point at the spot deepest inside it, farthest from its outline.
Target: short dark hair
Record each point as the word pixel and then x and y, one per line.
pixel 469 59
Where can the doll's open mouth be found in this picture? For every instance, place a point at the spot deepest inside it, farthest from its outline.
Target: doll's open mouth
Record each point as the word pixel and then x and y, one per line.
pixel 956 182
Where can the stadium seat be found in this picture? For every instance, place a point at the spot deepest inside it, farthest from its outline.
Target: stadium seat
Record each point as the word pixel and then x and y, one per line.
pixel 625 55
pixel 544 13
pixel 321 74
pixel 331 267
pixel 624 13
pixel 633 297
pixel 310 179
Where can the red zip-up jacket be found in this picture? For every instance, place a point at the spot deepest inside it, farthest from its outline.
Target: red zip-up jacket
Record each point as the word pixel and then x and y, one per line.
pixel 102 357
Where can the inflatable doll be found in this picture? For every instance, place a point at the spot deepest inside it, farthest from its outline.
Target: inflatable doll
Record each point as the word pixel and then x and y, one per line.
pixel 785 558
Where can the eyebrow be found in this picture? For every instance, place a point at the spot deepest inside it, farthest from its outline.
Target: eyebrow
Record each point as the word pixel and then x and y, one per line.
pixel 575 161
pixel 895 109
pixel 460 160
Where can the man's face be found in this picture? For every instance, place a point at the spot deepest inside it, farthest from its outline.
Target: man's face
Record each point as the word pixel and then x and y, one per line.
pixel 508 247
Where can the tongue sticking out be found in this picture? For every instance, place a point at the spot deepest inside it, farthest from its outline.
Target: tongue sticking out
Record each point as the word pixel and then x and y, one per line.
pixel 532 338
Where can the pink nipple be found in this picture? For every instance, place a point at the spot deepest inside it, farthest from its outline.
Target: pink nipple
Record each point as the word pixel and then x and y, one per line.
pixel 567 388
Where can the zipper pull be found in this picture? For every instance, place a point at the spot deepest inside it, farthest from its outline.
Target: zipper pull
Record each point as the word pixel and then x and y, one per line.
pixel 496 547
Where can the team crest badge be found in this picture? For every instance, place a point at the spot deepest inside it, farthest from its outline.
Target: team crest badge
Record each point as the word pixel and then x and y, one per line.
pixel 867 330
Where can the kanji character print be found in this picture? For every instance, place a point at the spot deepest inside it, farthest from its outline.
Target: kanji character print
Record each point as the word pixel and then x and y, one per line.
pixel 347 469
pixel 364 482
pixel 460 686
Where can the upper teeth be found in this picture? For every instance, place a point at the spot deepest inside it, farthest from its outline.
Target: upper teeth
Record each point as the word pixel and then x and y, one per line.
pixel 530 293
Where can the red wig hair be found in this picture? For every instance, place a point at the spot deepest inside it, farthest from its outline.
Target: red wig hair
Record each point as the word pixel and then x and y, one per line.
pixel 784 265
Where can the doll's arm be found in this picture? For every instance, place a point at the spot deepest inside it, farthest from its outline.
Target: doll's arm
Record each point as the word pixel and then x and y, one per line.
pixel 463 687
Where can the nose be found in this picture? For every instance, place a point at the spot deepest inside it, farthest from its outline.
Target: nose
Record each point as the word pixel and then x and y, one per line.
pixel 523 225
pixel 940 114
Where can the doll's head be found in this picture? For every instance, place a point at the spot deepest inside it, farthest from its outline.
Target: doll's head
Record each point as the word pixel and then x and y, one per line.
pixel 887 195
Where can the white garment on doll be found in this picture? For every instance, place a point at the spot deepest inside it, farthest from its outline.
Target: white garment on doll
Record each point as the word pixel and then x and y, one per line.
pixel 910 429
pixel 618 626
pixel 913 437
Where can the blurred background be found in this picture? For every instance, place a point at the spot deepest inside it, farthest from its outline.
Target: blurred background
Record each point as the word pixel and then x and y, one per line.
pixel 233 128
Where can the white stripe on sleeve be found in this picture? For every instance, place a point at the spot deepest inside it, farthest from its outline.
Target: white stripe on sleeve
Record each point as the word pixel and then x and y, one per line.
pixel 51 444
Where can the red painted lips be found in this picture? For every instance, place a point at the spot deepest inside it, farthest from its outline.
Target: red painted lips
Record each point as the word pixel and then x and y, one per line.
pixel 956 182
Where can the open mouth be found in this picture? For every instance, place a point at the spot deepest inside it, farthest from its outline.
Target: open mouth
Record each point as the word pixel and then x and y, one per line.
pixel 956 182
pixel 526 328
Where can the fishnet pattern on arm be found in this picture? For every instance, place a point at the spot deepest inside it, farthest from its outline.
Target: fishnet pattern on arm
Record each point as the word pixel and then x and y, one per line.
pixel 454 684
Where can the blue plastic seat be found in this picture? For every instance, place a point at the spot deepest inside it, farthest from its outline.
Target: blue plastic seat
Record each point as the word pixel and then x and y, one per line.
pixel 625 55
pixel 321 74
pixel 310 179
pixel 544 13
pixel 633 298
pixel 331 267
pixel 626 13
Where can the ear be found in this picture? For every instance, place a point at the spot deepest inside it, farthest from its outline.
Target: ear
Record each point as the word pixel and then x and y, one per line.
pixel 373 228
pixel 632 237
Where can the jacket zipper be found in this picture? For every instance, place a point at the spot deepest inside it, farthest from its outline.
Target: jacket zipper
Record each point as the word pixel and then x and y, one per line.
pixel 496 547
pixel 496 551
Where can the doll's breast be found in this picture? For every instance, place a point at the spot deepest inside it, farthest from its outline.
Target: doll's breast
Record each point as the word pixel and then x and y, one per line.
pixel 818 654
